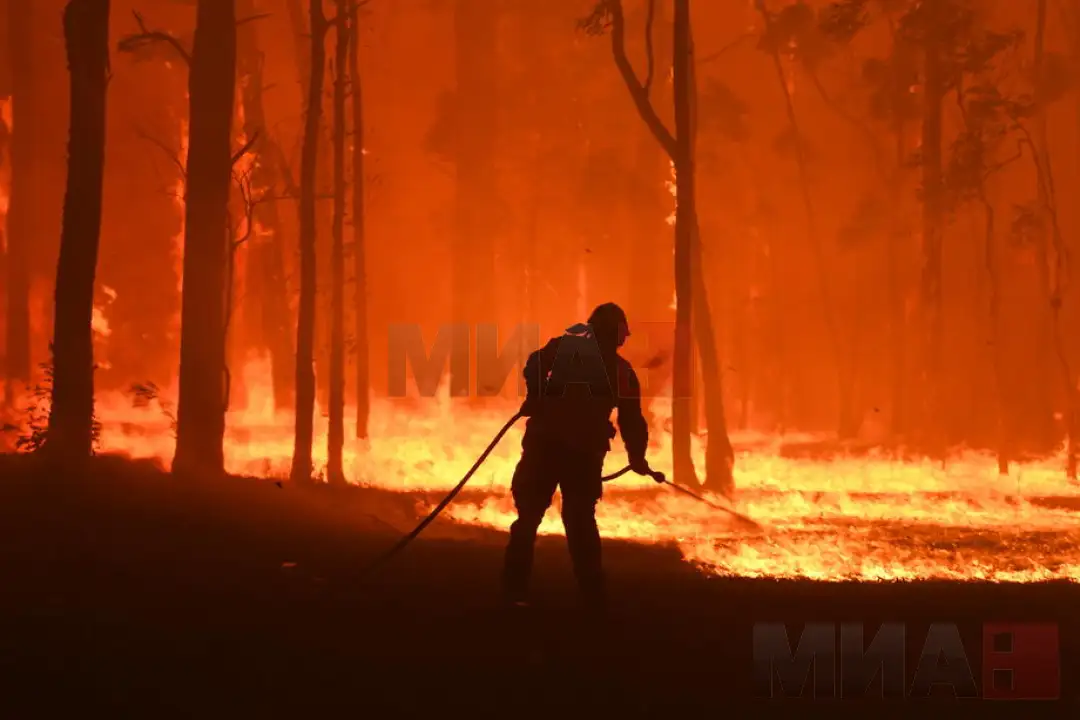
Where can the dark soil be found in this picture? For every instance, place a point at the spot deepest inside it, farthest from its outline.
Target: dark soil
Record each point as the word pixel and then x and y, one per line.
pixel 129 593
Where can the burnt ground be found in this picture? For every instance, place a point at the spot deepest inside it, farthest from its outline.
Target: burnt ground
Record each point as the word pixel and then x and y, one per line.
pixel 129 592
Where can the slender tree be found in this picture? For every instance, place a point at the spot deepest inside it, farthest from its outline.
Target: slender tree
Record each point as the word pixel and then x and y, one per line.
pixel 360 341
pixel 975 157
pixel 71 415
pixel 475 113
pixel 305 322
pixel 933 229
pixel 719 454
pixel 848 425
pixel 304 37
pixel 201 409
pixel 335 471
pixel 1052 247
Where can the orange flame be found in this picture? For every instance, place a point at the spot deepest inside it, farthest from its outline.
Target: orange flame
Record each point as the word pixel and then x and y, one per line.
pixel 869 519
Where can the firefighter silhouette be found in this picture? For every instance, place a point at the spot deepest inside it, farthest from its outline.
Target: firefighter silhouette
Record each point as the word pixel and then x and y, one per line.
pixel 573 384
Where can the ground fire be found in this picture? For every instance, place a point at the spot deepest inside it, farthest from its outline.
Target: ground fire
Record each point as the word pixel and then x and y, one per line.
pixel 274 273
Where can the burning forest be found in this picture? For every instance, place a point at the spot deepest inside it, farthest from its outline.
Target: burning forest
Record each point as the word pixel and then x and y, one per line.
pixel 315 242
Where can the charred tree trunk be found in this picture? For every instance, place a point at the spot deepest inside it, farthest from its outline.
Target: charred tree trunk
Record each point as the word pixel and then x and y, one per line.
pixel 473 255
pixel 305 326
pixel 304 34
pixel 931 426
pixel 201 409
pixel 335 470
pixel 1044 427
pixel 266 252
pixel 20 221
pixel 71 415
pixel 363 380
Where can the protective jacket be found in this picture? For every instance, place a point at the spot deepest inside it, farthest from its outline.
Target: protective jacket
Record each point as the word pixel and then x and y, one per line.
pixel 573 384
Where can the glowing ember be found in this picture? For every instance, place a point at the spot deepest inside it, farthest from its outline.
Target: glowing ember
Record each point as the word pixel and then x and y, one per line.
pixel 853 518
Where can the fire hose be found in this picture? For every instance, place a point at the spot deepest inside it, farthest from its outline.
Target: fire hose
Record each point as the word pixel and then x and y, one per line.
pixel 654 474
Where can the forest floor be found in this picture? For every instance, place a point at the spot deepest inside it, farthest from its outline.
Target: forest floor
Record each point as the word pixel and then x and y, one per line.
pixel 130 592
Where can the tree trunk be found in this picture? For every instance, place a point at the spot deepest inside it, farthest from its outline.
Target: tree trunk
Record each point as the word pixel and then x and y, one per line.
pixel 1044 396
pixel 335 470
pixel 20 220
pixel 200 415
pixel 931 426
pixel 305 326
pixel 71 416
pixel 1048 210
pixel 301 43
pixel 847 425
pixel 363 380
pixel 303 35
pixel 719 455
pixel 473 265
pixel 267 296
pixel 685 220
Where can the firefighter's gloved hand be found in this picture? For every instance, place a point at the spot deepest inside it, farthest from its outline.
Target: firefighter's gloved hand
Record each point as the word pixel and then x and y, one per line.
pixel 640 466
pixel 528 408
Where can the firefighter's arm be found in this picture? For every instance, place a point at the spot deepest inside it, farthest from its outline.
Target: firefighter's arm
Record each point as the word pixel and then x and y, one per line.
pixel 632 424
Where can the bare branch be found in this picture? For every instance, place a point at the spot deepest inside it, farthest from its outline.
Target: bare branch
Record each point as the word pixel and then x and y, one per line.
pixel 861 126
pixel 341 19
pixel 292 189
pixel 252 18
pixel 134 43
pixel 239 154
pixel 243 183
pixel 169 152
pixel 650 58
pixel 638 92
pixel 268 198
pixel 1007 161
pixel 723 51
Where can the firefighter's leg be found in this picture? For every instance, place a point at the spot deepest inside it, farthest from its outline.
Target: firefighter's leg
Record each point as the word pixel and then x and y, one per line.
pixel 533 487
pixel 580 493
